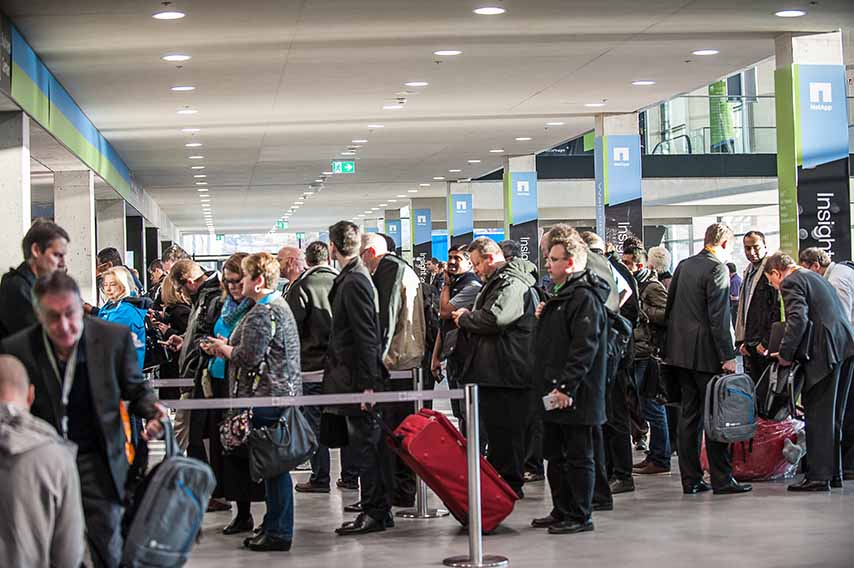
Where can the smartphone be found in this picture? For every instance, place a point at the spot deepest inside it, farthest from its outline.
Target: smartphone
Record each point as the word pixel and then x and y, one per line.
pixel 162 342
pixel 550 401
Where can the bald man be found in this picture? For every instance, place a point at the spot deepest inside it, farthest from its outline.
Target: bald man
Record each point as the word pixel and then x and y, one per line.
pixel 39 487
pixel 291 266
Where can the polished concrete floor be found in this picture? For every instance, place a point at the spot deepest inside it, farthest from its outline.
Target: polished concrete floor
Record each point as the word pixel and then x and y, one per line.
pixel 656 526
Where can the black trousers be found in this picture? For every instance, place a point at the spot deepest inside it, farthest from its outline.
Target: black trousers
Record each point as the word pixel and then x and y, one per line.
pixel 691 433
pixel 204 424
pixel 403 478
pixel 102 510
pixel 570 449
pixel 504 414
pixel 349 465
pixel 374 461
pixel 820 406
pixel 617 430
pixel 555 467
pixel 847 442
pixel 755 364
pixel 320 460
pixel 534 436
pixel 602 489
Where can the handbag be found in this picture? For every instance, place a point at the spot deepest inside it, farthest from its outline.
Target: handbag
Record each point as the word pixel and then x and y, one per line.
pixel 333 431
pixel 277 449
pixel 668 391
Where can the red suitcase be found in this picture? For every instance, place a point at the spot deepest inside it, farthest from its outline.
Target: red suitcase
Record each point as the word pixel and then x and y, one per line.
pixel 434 449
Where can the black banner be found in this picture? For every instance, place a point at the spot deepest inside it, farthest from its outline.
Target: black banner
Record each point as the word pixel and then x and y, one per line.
pixel 5 56
pixel 623 221
pixel 420 255
pixel 526 235
pixel 824 214
pixel 463 239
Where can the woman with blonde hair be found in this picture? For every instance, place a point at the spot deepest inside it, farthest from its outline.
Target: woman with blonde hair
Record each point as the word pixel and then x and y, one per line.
pixel 124 306
pixel 173 321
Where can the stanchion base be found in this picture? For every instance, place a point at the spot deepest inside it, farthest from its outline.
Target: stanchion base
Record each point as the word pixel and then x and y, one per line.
pixel 428 514
pixel 489 561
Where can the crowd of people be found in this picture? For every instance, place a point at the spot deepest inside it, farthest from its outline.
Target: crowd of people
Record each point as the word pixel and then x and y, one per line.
pixel 563 362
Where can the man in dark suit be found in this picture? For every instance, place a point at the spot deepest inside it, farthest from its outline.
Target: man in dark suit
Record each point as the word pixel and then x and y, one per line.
pixel 809 298
pixel 81 369
pixel 700 345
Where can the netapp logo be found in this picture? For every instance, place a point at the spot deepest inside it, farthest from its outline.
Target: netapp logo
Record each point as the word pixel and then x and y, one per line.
pixel 821 96
pixel 823 230
pixel 462 206
pixel 621 157
pixel 392 228
pixel 421 219
pixel 523 188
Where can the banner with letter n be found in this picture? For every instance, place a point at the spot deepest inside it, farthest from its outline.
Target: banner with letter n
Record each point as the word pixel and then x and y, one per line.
pixel 393 228
pixel 422 242
pixel 812 159
pixel 460 219
pixel 520 211
pixel 619 198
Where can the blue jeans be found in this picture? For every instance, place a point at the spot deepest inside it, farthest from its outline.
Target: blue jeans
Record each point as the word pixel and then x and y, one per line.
pixel 279 519
pixel 656 415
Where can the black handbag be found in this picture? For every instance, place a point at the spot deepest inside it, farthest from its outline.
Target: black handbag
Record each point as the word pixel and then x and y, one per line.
pixel 277 449
pixel 668 390
pixel 333 431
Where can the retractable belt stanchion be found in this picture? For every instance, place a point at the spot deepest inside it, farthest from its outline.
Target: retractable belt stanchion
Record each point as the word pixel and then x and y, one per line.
pixel 421 511
pixel 475 558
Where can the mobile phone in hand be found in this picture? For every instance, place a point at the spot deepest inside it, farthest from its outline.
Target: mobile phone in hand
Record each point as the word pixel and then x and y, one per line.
pixel 550 402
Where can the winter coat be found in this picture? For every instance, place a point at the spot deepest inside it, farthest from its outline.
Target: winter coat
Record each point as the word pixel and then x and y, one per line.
pixel 128 312
pixel 651 330
pixel 495 336
pixel 571 349
pixel 266 351
pixel 207 303
pixel 39 494
pixel 401 308
pixel 16 300
pixel 308 298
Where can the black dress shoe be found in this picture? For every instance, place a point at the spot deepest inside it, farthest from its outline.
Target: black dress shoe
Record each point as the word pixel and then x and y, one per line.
pixel 544 522
pixel 238 525
pixel 389 521
pixel 836 483
pixel 570 527
pixel 270 543
pixel 807 486
pixel 603 506
pixel 350 485
pixel 309 487
pixel 354 508
pixel 733 488
pixel 622 486
pixel 694 488
pixel 248 541
pixel 363 524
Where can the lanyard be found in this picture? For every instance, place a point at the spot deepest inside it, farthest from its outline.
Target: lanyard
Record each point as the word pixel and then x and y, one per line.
pixel 66 381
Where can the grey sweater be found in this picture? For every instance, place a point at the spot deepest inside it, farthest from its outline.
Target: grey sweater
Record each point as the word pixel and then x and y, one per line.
pixel 39 494
pixel 253 337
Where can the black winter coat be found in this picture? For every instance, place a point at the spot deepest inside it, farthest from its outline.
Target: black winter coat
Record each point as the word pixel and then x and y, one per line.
pixel 16 302
pixel 571 349
pixel 354 359
pixel 207 304
pixel 308 298
pixel 495 336
pixel 651 331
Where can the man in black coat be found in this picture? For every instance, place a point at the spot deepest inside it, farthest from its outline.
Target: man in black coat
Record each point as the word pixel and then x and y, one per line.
pixel 828 342
pixel 496 334
pixel 570 363
pixel 700 345
pixel 81 369
pixel 308 298
pixel 44 246
pixel 353 365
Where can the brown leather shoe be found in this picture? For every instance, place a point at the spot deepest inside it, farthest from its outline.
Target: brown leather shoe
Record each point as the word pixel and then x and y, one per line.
pixel 652 469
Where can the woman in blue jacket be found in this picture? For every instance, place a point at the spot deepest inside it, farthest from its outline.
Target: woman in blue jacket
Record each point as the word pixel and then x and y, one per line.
pixel 124 307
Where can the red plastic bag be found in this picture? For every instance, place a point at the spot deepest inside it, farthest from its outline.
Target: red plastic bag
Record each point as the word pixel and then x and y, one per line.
pixel 761 459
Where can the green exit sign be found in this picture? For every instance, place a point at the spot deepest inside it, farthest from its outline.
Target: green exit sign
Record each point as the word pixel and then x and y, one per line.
pixel 300 236
pixel 281 225
pixel 220 237
pixel 343 167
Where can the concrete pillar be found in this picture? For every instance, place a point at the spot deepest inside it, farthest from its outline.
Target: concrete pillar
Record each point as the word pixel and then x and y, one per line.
pixel 521 205
pixel 152 246
pixel 617 158
pixel 136 245
pixel 110 217
pixel 74 205
pixel 16 213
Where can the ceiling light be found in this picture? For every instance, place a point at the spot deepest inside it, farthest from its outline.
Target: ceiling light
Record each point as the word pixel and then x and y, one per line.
pixel 438 178
pixel 383 204
pixel 523 139
pixel 376 126
pixel 448 52
pixel 454 171
pixel 413 191
pixel 497 151
pixel 359 141
pixel 192 144
pixel 176 57
pixel 790 13
pixel 392 200
pixel 308 193
pixel 197 167
pixel 190 130
pixel 555 123
pixel 327 173
pixel 594 105
pixel 187 111
pixel 402 196
pixel 643 83
pixel 201 183
pixel 474 161
pixel 202 189
pixel 360 215
pixel 424 184
pixel 182 88
pixel 195 157
pixel 489 11
pixel 392 107
pixel 168 15
pixel 706 52
pixel 368 212
pixel 205 205
pixel 200 176
pixel 348 153
pixel 354 147
pixel 375 208
pixel 417 84
pixel 318 181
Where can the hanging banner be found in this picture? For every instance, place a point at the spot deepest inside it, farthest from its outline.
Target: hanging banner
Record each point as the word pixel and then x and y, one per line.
pixel 520 198
pixel 812 160
pixel 5 56
pixel 460 218
pixel 619 198
pixel 422 242
pixel 392 228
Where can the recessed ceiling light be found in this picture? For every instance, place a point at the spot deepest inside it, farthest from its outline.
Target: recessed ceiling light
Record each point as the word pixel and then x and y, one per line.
pixel 555 123
pixel 790 13
pixel 197 167
pixel 474 161
pixel 392 107
pixel 195 157
pixel 402 196
pixel 489 11
pixel 376 126
pixel 191 130
pixel 205 205
pixel 318 181
pixel 523 139
pixel 392 200
pixel 202 189
pixel 643 83
pixel 168 15
pixel 348 153
pixel 193 144
pixel 200 176
pixel 594 105
pixel 417 84
pixel 308 193
pixel 496 151
pixel 438 178
pixel 424 184
pixel 354 146
pixel 706 52
pixel 359 141
pixel 383 204
pixel 176 57
pixel 454 171
pixel 368 212
pixel 182 88
pixel 187 111
pixel 448 52
pixel 413 191
pixel 201 183
pixel 360 215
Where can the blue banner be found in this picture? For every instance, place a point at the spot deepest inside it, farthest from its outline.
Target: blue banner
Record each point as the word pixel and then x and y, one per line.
pixel 619 203
pixel 496 235
pixel 461 214
pixel 623 176
pixel 392 229
pixel 422 226
pixel 523 197
pixel 823 115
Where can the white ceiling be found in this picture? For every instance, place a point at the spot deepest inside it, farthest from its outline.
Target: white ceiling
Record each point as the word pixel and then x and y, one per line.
pixel 283 87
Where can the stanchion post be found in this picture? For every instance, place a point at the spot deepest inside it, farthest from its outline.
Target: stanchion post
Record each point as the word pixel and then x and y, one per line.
pixel 421 511
pixel 475 558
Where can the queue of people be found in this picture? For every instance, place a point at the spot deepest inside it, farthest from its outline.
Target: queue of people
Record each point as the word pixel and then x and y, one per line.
pixel 562 372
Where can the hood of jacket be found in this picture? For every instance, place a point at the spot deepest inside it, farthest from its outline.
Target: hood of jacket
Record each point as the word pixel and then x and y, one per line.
pixel 585 279
pixel 21 432
pixel 520 269
pixel 139 302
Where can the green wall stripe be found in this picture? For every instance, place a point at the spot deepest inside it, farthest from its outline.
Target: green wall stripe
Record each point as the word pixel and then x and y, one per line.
pixel 27 94
pixel 605 159
pixel 787 152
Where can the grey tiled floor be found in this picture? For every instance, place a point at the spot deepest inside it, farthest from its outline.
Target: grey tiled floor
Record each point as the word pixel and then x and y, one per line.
pixel 656 526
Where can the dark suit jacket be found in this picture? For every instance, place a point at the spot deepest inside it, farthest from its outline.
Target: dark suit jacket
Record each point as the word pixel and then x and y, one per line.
pixel 699 330
pixel 16 302
pixel 809 297
pixel 114 375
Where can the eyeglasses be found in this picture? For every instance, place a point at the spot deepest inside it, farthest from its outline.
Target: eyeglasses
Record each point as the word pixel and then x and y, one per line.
pixel 231 282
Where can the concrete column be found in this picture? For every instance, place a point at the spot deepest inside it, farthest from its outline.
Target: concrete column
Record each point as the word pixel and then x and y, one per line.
pixel 74 203
pixel 110 217
pixel 152 246
pixel 521 205
pixel 16 213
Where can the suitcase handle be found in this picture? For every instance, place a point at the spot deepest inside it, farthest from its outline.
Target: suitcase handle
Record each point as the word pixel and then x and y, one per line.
pixel 385 428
